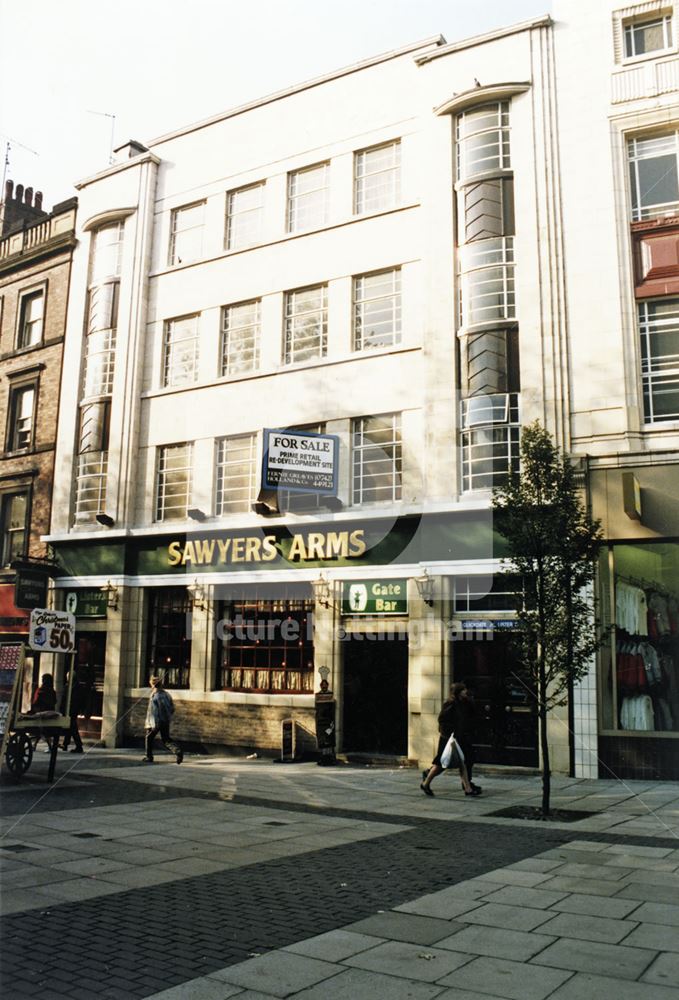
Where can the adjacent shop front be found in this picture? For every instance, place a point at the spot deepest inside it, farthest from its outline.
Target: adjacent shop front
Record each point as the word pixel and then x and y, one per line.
pixel 639 612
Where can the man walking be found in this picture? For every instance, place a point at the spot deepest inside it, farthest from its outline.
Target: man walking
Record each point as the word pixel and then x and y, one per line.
pixel 158 716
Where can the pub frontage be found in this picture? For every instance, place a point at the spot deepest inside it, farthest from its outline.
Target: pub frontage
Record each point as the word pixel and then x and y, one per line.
pixel 245 624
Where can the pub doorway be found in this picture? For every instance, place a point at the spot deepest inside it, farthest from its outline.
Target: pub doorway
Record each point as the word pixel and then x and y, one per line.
pixel 375 694
pixel 506 717
pixel 90 661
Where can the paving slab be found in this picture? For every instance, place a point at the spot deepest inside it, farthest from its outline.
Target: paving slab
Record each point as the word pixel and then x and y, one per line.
pixel 654 936
pixel 587 927
pixel 360 984
pixel 664 970
pixel 617 961
pixel 409 961
pixel 278 973
pixel 497 942
pixel 521 896
pixel 335 946
pixel 586 986
pixel 511 917
pixel 659 895
pixel 597 906
pixel 441 905
pixel 586 886
pixel 408 927
pixel 512 980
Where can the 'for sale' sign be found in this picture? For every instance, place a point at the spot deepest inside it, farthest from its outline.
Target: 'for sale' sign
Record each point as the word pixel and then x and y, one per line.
pixel 52 631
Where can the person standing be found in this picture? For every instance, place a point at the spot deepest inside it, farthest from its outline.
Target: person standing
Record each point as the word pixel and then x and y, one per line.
pixel 78 700
pixel 456 717
pixel 158 716
pixel 45 700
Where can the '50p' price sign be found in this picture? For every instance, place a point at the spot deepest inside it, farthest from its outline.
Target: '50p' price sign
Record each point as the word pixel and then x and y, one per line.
pixel 52 631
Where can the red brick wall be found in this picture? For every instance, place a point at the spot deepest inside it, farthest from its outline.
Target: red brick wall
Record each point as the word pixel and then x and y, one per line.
pixel 252 727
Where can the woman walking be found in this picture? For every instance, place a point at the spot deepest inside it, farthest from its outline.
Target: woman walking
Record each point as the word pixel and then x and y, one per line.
pixel 456 717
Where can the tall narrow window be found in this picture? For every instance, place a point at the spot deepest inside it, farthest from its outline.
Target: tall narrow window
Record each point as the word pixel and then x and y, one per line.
pixel 377 458
pixel 651 35
pixel 490 440
pixel 101 339
pixel 240 337
pixel 186 233
pixel 180 351
pixel 14 529
pixel 483 140
pixel 306 324
pixel 377 309
pixel 488 281
pixel 236 474
pixel 169 653
pixel 244 216
pixel 308 197
pixel 659 332
pixel 106 253
pixel 90 497
pixel 377 178
pixel 654 180
pixel 173 482
pixel 21 418
pixel 31 318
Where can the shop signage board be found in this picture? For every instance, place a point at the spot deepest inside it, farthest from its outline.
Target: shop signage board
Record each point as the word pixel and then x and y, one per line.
pixel 375 597
pixel 489 624
pixel 300 461
pixel 51 631
pixel 30 589
pixel 86 603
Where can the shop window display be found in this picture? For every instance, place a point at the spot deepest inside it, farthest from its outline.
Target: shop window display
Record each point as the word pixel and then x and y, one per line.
pixel 643 673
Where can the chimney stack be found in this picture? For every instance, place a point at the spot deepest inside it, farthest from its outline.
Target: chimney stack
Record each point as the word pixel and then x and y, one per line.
pixel 19 208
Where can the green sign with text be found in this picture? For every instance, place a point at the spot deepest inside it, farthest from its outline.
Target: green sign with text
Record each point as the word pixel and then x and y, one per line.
pixel 375 597
pixel 86 603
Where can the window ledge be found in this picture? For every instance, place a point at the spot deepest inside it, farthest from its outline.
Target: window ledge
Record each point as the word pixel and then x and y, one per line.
pixel 301 366
pixel 482 95
pixel 285 238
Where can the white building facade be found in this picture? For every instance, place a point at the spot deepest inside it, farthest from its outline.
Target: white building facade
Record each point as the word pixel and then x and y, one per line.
pixel 396 257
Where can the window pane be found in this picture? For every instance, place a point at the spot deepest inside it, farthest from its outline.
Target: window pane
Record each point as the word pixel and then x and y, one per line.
pixel 14 526
pixel 22 418
pixel 483 140
pixel 174 482
pixel 647 36
pixel 659 331
pixel 306 324
pixel 377 458
pixel 170 637
pixel 186 234
pixel 240 338
pixel 377 310
pixel 244 216
pixel 268 644
pixel 236 474
pixel 31 322
pixel 488 289
pixel 654 182
pixel 107 245
pixel 377 178
pixel 180 364
pixel 308 197
pixel 489 452
pixel 91 485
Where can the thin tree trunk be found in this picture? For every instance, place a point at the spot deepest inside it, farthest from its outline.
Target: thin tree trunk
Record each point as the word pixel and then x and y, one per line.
pixel 544 743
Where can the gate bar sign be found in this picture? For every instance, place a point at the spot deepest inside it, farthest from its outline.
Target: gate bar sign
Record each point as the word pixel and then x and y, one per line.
pixel 300 461
pixel 52 631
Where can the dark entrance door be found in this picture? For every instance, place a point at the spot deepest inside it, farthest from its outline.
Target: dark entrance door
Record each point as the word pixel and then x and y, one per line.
pixel 90 660
pixel 506 720
pixel 375 695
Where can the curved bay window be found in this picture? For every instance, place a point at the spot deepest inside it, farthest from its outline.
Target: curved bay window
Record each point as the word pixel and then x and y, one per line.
pixel 169 636
pixel 266 644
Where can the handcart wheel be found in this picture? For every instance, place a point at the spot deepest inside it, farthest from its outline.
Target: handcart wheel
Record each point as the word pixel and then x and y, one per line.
pixel 19 753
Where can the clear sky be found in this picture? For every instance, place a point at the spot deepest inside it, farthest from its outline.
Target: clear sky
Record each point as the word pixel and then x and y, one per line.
pixel 160 64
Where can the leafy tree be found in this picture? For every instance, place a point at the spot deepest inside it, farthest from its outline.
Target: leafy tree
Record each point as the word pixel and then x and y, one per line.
pixel 553 545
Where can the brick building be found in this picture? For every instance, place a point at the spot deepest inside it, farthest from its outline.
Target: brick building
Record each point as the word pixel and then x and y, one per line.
pixel 36 248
